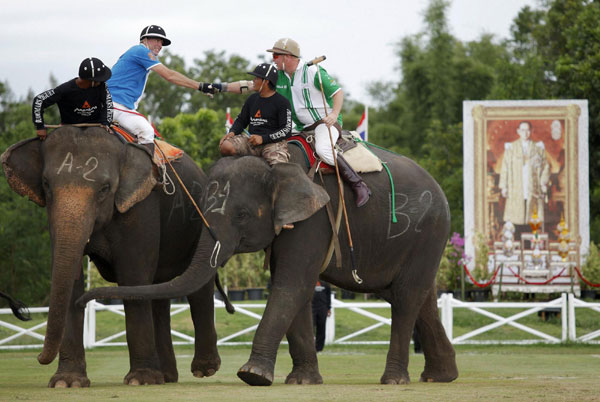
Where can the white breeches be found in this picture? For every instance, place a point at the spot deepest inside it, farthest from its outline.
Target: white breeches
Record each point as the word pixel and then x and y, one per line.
pixel 323 144
pixel 135 124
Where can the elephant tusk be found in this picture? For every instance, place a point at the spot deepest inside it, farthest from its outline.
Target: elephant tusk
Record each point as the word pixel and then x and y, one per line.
pixel 215 254
pixel 356 277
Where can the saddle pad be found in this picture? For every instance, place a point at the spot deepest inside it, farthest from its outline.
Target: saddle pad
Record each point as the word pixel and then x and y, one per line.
pixel 361 158
pixel 171 152
pixel 358 156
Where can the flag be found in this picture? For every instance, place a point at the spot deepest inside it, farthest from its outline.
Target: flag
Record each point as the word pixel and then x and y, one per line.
pixel 228 121
pixel 363 125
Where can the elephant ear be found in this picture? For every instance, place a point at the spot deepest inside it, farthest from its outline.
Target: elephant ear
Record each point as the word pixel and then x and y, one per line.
pixel 136 180
pixel 295 196
pixel 22 163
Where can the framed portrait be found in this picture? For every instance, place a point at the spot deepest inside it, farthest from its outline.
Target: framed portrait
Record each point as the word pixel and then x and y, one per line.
pixel 525 160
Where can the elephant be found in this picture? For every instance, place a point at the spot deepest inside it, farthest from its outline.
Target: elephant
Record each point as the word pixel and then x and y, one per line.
pixel 247 203
pixel 100 202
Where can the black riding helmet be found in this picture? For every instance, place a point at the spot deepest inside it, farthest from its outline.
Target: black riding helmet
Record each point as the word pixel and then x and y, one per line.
pixel 93 69
pixel 154 31
pixel 266 71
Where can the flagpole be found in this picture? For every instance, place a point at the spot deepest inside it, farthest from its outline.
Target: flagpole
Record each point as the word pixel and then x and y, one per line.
pixel 366 123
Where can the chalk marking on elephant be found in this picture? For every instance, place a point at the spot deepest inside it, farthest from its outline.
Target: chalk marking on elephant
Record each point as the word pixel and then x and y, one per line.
pixel 398 213
pixel 69 158
pixel 430 198
pixel 94 159
pixel 214 196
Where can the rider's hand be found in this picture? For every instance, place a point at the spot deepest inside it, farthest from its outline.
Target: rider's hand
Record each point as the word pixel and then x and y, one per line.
pixel 225 137
pixel 42 133
pixel 210 88
pixel 255 139
pixel 330 119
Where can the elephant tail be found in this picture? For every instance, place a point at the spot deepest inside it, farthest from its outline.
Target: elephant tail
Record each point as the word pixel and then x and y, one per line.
pixel 228 306
pixel 18 308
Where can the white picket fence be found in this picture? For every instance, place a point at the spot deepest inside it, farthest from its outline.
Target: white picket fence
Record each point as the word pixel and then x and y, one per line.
pixel 567 304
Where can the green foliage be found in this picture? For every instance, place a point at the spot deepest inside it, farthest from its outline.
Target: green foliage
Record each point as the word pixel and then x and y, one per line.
pixel 24 238
pixel 591 268
pixel 246 271
pixel 481 271
pixel 197 134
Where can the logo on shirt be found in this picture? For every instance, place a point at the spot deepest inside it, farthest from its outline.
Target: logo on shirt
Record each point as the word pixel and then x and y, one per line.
pixel 85 105
pixel 257 115
pixel 151 56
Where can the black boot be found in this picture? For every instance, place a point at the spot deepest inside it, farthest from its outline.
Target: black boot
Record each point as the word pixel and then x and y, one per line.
pixel 361 191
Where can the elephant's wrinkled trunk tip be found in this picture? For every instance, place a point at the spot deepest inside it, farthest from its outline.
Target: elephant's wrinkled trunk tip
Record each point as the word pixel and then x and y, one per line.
pixel 46 357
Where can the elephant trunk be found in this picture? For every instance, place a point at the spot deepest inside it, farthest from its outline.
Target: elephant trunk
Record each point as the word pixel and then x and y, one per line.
pixel 70 229
pixel 208 256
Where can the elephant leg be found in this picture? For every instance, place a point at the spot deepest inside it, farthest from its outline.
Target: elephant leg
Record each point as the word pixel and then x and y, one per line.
pixel 302 350
pixel 440 359
pixel 206 360
pixel 71 371
pixel 161 315
pixel 294 276
pixel 145 367
pixel 405 307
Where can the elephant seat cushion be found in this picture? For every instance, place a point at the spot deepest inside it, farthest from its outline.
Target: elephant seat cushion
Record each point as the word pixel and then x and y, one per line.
pixel 169 151
pixel 358 155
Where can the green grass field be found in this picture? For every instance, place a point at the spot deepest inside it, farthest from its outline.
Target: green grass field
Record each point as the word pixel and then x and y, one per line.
pixel 350 373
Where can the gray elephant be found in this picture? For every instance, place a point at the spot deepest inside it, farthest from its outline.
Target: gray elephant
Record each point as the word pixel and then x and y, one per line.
pixel 247 203
pixel 99 200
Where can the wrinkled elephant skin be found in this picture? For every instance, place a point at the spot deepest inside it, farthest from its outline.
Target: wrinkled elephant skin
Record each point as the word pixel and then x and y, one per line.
pixel 100 201
pixel 247 203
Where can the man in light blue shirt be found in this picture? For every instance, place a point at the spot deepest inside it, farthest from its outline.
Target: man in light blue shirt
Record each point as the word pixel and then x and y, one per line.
pixel 128 81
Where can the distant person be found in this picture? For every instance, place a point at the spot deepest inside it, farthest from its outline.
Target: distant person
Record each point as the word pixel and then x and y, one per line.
pixel 321 309
pixel 269 118
pixel 524 177
pixel 84 99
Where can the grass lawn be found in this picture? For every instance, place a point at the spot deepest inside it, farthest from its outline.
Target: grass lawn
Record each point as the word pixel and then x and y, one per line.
pixel 350 373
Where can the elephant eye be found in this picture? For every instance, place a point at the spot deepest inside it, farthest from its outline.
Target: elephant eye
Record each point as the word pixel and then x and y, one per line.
pixel 241 216
pixel 103 191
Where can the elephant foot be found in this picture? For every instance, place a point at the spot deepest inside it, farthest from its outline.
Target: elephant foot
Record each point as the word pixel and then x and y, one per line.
pixel 170 376
pixel 255 374
pixel 205 367
pixel 304 375
pixel 439 375
pixel 144 377
pixel 69 380
pixel 395 378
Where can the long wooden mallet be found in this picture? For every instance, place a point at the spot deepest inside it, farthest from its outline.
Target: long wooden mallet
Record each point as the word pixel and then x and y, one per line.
pixel 337 170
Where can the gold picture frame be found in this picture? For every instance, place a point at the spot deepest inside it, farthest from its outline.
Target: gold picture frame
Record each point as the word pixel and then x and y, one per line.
pixel 559 130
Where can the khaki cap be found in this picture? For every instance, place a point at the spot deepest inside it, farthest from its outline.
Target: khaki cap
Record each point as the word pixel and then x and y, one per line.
pixel 286 46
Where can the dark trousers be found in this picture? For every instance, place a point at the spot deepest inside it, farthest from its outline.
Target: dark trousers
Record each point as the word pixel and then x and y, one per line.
pixel 319 320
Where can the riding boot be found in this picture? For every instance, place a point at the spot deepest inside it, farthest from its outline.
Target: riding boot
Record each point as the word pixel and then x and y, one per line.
pixel 361 191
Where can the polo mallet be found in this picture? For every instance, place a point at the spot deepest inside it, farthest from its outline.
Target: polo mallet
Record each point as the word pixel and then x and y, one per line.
pixel 337 172
pixel 217 248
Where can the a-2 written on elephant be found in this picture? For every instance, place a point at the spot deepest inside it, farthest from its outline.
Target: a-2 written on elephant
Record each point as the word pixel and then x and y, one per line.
pixel 99 199
pixel 246 204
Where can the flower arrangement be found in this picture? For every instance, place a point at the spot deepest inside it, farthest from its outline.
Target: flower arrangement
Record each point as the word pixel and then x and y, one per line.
pixel 451 265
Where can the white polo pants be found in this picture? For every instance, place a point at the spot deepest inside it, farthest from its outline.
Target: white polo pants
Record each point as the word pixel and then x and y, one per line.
pixel 134 123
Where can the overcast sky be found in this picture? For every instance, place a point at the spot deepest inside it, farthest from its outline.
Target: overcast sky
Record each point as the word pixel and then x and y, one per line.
pixel 358 37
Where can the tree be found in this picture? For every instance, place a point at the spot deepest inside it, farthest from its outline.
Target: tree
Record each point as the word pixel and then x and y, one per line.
pixel 24 238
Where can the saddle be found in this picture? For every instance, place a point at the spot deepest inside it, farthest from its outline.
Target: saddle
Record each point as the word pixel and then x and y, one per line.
pixel 349 144
pixel 163 151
